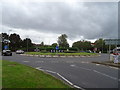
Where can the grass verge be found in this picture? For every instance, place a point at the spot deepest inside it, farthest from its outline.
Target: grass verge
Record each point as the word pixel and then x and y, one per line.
pixel 16 75
pixel 62 54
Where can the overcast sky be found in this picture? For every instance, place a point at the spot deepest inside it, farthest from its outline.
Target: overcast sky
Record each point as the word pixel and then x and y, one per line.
pixel 45 21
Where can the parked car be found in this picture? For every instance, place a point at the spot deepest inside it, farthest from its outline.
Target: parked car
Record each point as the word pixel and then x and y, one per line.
pixel 6 53
pixel 19 52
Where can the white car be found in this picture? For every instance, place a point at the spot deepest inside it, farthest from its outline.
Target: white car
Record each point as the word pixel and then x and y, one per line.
pixel 19 52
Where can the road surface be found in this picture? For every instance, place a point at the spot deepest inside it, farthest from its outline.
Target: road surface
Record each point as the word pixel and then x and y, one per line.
pixel 78 71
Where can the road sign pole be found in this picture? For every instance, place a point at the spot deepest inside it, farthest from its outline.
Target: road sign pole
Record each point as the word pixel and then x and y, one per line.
pixel 109 51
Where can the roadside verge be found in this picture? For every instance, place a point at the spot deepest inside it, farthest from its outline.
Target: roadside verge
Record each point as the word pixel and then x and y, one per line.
pixel 15 75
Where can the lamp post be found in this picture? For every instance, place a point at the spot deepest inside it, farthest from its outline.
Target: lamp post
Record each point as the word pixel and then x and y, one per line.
pixel 102 45
pixel 27 42
pixel 8 37
pixel 102 42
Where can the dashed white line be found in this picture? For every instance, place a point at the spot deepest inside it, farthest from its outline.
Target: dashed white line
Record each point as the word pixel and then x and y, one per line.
pixel 105 75
pixel 80 67
pixel 39 61
pixel 72 65
pixel 84 62
pixel 25 61
pixel 85 68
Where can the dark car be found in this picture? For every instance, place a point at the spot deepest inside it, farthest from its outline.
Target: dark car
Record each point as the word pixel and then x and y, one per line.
pixel 6 53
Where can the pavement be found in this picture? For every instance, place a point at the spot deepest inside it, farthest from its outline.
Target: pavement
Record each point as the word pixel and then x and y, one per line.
pixel 76 71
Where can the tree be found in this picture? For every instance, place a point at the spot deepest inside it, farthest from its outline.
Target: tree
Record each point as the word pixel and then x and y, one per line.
pixel 42 44
pixel 5 35
pixel 82 45
pixel 100 45
pixel 54 44
pixel 15 41
pixel 62 41
pixel 27 42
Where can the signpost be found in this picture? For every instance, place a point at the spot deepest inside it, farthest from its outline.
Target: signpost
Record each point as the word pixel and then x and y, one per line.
pixel 56 48
pixel 112 42
pixel 6 47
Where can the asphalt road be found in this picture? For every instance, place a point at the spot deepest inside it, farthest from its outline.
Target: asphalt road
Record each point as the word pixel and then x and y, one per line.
pixel 76 70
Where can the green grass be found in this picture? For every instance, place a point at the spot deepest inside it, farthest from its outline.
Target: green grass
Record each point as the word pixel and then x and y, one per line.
pixel 61 54
pixel 15 75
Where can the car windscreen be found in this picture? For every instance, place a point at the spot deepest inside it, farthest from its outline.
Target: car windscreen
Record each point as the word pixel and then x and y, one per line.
pixel 8 51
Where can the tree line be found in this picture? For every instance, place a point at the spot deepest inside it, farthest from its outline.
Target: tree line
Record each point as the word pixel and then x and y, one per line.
pixel 17 43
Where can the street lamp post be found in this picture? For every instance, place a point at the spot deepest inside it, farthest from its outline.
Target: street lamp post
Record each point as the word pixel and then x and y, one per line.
pixel 102 45
pixel 102 42
pixel 27 43
pixel 8 37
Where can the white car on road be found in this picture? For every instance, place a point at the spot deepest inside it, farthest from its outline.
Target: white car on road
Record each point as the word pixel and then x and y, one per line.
pixel 19 52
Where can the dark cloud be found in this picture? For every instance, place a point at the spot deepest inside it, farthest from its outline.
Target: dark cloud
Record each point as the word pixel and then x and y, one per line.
pixel 90 20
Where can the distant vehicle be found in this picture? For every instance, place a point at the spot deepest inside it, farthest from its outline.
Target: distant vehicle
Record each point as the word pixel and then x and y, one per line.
pixel 115 54
pixel 116 51
pixel 89 51
pixel 19 52
pixel 6 53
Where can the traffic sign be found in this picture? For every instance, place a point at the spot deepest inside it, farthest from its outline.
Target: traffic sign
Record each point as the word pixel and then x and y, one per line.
pixel 57 47
pixel 112 41
pixel 6 47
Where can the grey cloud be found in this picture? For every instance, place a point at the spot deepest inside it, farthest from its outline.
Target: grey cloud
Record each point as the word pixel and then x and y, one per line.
pixel 90 20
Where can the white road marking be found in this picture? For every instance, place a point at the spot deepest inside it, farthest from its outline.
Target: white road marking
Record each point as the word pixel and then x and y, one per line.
pixel 39 68
pixel 84 62
pixel 69 82
pixel 25 61
pixel 72 65
pixel 78 87
pixel 80 67
pixel 64 79
pixel 85 68
pixel 114 67
pixel 105 75
pixel 97 64
pixel 50 71
pixel 39 61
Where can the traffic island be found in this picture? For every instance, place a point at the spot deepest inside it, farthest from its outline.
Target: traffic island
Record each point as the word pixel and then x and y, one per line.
pixel 39 54
pixel 108 63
